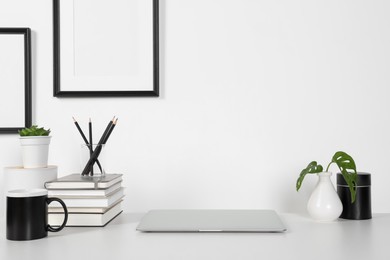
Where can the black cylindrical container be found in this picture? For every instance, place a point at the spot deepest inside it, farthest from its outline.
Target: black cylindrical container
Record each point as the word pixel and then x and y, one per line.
pixel 27 214
pixel 361 208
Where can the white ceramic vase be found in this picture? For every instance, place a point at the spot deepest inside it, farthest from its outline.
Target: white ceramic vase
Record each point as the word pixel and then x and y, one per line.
pixel 35 151
pixel 324 203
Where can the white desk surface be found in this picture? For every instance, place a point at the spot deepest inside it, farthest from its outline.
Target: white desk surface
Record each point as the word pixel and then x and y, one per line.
pixel 305 239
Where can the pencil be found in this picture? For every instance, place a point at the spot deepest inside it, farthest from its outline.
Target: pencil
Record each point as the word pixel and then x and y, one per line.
pixel 103 137
pixel 87 143
pixel 90 141
pixel 110 131
pixel 98 149
pixel 81 131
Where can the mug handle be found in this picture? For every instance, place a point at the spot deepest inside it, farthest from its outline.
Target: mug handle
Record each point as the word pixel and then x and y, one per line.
pixel 50 228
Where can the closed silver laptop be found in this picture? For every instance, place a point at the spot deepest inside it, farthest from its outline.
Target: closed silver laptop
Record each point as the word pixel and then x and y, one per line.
pixel 211 221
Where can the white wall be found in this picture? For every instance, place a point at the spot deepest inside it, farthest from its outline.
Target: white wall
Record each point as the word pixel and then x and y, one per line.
pixel 251 91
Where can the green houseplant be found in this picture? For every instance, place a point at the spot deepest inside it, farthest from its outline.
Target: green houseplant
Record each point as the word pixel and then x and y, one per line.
pixel 324 203
pixel 35 146
pixel 347 167
pixel 34 131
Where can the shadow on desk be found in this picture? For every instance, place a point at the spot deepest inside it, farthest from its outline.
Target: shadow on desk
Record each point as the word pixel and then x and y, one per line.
pixel 127 218
pixel 122 219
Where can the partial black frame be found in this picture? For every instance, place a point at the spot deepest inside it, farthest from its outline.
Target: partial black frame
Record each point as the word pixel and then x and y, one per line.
pixel 26 32
pixel 130 93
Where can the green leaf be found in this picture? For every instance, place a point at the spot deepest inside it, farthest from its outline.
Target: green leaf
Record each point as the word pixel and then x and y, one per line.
pixel 347 168
pixel 313 167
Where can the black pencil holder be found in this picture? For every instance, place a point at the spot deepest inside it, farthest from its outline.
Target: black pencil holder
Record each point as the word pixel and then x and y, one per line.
pixel 361 208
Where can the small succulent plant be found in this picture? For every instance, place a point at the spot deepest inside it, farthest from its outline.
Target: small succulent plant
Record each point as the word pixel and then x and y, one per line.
pixel 34 131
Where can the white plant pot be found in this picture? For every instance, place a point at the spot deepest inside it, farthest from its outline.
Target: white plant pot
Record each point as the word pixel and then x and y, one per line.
pixel 35 151
pixel 324 203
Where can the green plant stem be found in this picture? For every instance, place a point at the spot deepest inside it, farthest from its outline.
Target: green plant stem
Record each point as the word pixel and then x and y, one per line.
pixel 327 168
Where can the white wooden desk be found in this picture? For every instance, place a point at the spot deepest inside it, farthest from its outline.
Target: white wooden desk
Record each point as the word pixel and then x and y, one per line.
pixel 305 239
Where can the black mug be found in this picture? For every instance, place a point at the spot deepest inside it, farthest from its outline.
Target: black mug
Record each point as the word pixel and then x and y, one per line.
pixel 27 214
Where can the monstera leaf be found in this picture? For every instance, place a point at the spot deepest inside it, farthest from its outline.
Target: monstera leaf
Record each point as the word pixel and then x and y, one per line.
pixel 313 167
pixel 347 167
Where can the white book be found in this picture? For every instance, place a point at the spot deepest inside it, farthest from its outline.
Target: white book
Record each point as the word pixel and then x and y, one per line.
pixel 83 209
pixel 92 202
pixel 77 181
pixel 85 219
pixel 84 193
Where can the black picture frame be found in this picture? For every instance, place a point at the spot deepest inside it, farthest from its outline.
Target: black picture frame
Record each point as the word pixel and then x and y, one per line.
pixel 27 117
pixel 58 92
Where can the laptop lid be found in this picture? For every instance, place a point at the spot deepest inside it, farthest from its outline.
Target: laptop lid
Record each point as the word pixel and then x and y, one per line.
pixel 211 221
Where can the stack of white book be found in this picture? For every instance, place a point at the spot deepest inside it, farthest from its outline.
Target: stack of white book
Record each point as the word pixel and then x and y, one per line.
pixel 90 200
